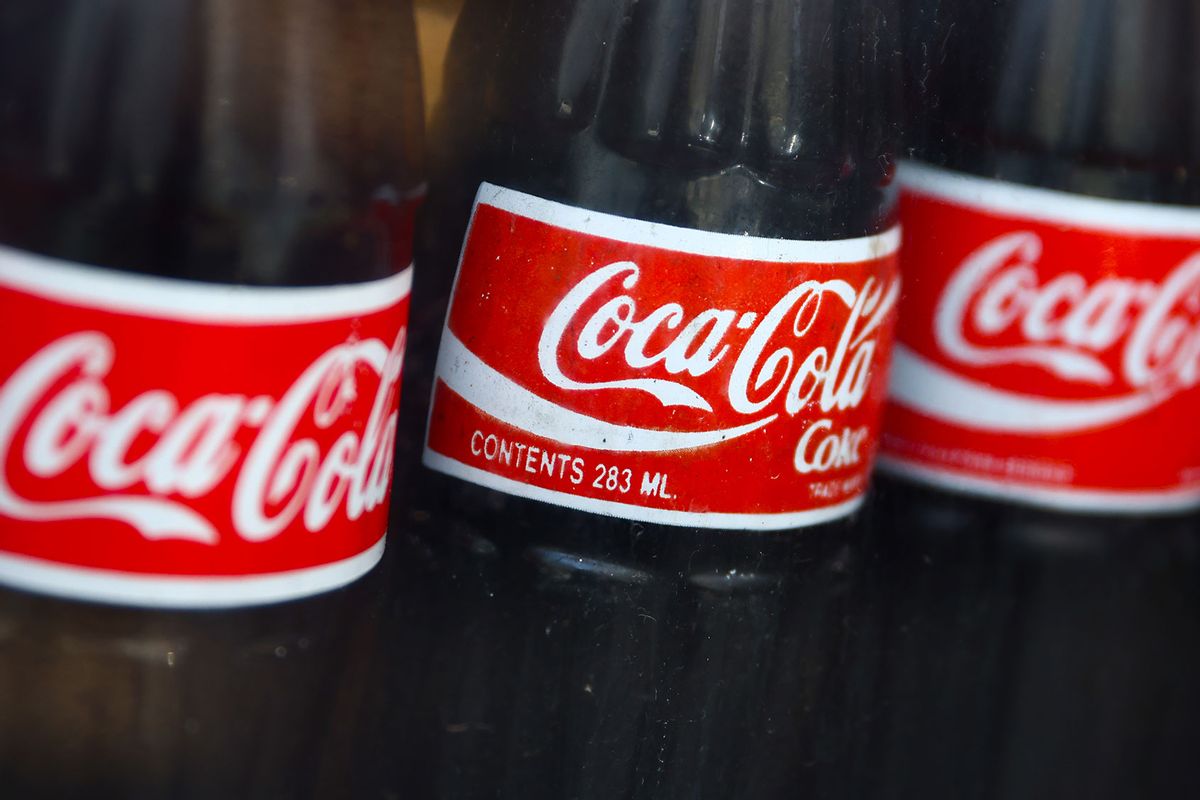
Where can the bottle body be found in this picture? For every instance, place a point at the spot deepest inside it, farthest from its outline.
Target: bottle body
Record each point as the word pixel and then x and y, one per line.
pixel 1043 126
pixel 583 649
pixel 191 190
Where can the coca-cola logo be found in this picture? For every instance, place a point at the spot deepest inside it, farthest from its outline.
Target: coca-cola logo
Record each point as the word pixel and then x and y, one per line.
pixel 815 347
pixel 997 309
pixel 1048 346
pixel 802 371
pixel 57 413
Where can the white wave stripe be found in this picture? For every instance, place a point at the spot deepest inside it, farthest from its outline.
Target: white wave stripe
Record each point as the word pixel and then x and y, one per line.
pixel 923 386
pixel 662 516
pixel 182 591
pixel 499 396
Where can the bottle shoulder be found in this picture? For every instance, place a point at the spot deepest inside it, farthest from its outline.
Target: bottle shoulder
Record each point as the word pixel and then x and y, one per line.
pixel 754 105
pixel 206 139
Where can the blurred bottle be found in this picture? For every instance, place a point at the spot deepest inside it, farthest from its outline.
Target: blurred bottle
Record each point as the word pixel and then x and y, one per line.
pixel 205 218
pixel 636 587
pixel 1040 538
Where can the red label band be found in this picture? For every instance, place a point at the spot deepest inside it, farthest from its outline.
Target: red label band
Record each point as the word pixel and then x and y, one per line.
pixel 1048 349
pixel 662 374
pixel 170 443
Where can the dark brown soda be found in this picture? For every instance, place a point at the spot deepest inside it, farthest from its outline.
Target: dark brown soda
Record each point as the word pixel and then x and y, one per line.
pixel 231 141
pixel 1033 653
pixel 567 654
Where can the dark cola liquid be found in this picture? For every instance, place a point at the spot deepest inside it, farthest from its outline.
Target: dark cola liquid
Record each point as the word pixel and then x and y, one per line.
pixel 538 651
pixel 1030 653
pixel 229 141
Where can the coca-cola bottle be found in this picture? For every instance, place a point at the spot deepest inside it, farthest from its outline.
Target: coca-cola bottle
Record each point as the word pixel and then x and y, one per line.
pixel 1041 539
pixel 651 326
pixel 205 238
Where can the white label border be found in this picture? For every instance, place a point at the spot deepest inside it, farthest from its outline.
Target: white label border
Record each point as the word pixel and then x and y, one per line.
pixel 195 301
pixel 115 587
pixel 636 513
pixel 1003 198
pixel 1065 498
pixel 693 241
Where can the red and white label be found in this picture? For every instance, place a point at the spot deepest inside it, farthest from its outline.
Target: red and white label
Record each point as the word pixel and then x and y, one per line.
pixel 1048 349
pixel 180 444
pixel 662 374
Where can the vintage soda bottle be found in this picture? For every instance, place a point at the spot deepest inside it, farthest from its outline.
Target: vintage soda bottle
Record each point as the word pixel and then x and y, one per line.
pixel 652 317
pixel 205 238
pixel 1039 530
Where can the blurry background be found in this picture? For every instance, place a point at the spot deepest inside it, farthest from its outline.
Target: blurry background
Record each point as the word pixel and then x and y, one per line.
pixel 435 21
